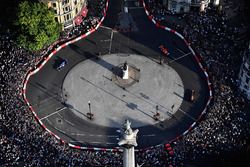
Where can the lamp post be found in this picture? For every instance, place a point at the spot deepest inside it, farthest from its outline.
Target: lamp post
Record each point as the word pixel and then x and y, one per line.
pixel 157 114
pixel 89 114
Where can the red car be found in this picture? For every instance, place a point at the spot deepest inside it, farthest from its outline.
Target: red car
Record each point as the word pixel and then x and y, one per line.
pixel 164 50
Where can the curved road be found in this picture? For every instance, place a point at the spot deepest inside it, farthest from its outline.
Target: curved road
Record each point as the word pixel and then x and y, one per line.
pixel 44 91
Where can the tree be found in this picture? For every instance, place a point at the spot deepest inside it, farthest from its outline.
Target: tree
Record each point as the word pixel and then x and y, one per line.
pixel 36 26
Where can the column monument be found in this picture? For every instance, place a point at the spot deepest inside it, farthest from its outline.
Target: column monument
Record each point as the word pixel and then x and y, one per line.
pixel 128 142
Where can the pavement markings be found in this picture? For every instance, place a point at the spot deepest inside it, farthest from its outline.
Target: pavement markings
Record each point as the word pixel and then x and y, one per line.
pixel 45 100
pixel 82 134
pixel 72 124
pixel 111 39
pixel 138 7
pixel 57 111
pixel 77 134
pixel 180 57
pixel 181 51
pixel 107 27
pixel 150 135
pixel 110 143
pixel 112 136
pixel 187 114
pixel 105 40
pixel 95 142
pixel 60 130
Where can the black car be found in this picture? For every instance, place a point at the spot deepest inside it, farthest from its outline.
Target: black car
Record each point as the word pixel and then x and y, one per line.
pixel 62 64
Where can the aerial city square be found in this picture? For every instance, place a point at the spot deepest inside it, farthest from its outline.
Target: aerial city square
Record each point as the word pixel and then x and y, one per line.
pixel 125 83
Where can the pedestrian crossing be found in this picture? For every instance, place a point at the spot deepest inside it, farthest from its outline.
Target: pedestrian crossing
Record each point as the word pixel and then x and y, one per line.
pixel 132 4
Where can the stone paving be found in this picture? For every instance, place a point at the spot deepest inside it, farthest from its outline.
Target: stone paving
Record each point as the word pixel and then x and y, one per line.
pixel 156 88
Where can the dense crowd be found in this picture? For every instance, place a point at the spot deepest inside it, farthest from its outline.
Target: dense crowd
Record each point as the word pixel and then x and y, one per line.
pixel 225 126
pixel 23 142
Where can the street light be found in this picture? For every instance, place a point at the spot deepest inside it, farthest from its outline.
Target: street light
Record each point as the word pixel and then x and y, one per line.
pixel 157 114
pixel 89 114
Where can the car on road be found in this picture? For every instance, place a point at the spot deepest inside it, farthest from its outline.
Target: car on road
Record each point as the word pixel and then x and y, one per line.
pixel 164 50
pixel 192 97
pixel 61 64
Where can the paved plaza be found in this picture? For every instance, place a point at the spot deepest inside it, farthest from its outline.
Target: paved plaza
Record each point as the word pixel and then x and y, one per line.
pixel 158 88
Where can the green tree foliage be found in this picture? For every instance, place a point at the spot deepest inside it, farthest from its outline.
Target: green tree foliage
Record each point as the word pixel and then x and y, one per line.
pixel 37 26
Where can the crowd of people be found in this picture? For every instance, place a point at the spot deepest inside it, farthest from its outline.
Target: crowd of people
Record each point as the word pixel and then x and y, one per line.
pixel 224 128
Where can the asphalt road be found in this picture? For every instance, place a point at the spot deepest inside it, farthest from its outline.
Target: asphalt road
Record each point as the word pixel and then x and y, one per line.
pixel 44 89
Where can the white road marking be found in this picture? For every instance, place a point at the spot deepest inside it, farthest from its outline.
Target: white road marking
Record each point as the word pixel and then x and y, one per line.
pixel 76 134
pixel 111 143
pixel 181 51
pixel 95 142
pixel 49 122
pixel 138 7
pixel 111 39
pixel 77 141
pixel 61 109
pixel 106 27
pixel 180 57
pixel 82 134
pixel 187 114
pixel 112 136
pixel 72 124
pixel 150 135
pixel 105 40
pixel 46 99
pixel 60 130
pixel 99 135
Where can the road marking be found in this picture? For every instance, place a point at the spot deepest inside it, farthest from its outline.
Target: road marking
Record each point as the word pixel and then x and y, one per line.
pixel 82 134
pixel 40 102
pixel 60 130
pixel 77 141
pixel 111 39
pixel 57 111
pixel 107 28
pixel 77 134
pixel 96 142
pixel 181 51
pixel 105 40
pixel 150 135
pixel 112 136
pixel 180 57
pixel 111 143
pixel 72 124
pixel 187 114
pixel 135 7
